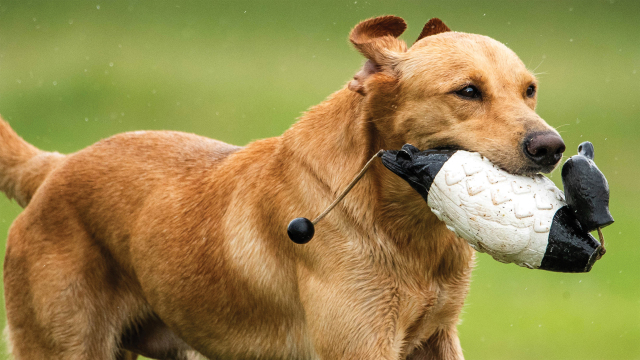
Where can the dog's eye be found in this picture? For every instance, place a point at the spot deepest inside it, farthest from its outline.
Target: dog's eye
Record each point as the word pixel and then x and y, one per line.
pixel 531 91
pixel 469 92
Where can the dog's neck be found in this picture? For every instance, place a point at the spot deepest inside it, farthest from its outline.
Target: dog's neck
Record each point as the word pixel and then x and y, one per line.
pixel 340 136
pixel 337 140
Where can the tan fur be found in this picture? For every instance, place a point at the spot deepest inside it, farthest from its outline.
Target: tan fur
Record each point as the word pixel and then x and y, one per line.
pixel 159 242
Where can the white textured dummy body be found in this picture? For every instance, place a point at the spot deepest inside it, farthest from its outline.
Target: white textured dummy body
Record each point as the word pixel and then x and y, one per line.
pixel 507 216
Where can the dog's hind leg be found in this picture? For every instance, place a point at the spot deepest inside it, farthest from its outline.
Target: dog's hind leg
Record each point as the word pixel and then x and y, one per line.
pixel 126 355
pixel 152 338
pixel 443 345
pixel 64 296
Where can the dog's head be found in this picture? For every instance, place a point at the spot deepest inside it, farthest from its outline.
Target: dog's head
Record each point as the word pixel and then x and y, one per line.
pixel 453 89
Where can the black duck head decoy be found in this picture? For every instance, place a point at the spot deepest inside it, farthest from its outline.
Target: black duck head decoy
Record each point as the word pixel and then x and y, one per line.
pixel 586 189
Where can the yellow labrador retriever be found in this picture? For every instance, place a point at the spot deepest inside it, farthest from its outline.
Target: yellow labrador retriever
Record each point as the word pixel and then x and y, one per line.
pixel 163 243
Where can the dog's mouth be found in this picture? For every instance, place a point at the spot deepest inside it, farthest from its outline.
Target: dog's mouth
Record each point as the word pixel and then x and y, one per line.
pixel 536 169
pixel 527 168
pixel 451 148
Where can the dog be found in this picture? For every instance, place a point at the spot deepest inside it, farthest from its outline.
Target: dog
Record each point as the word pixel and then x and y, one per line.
pixel 169 245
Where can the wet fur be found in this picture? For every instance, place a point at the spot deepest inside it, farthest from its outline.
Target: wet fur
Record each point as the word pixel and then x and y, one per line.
pixel 156 243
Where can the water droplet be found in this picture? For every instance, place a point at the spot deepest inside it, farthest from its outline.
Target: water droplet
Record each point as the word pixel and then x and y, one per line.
pixel 98 7
pixel 55 83
pixel 111 64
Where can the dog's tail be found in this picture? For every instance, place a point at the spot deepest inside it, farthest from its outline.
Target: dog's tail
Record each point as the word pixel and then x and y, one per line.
pixel 23 167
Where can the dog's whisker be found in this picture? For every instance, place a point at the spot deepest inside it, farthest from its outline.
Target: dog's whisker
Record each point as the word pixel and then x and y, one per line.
pixel 536 68
pixel 529 62
pixel 540 73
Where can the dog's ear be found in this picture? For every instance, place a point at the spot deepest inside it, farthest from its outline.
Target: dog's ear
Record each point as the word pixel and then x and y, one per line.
pixel 433 27
pixel 376 39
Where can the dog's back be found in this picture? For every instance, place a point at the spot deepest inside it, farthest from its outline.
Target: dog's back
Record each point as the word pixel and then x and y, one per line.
pixel 23 167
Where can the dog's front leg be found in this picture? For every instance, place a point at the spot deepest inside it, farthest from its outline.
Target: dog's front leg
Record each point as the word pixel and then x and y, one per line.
pixel 443 345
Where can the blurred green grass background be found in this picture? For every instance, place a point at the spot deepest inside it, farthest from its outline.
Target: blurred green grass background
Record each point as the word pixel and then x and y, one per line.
pixel 74 72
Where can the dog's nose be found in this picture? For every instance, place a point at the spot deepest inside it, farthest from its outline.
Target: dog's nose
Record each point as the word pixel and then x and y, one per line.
pixel 545 148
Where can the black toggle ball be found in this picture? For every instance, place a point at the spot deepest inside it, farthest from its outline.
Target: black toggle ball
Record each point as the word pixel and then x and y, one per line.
pixel 301 230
